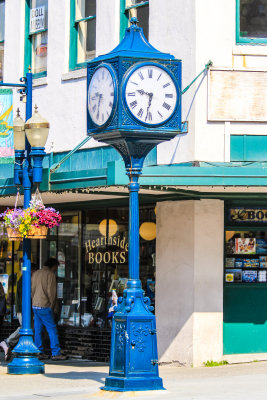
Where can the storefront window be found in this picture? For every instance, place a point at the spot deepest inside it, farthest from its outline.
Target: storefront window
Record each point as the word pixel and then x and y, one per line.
pixel 105 274
pixel 64 243
pixel 11 253
pixel 246 256
pixel 38 34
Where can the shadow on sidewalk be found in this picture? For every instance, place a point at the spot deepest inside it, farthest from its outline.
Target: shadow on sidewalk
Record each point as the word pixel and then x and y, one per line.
pixel 94 376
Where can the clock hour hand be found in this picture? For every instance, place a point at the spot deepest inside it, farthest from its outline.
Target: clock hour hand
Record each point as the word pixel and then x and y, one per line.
pixel 141 91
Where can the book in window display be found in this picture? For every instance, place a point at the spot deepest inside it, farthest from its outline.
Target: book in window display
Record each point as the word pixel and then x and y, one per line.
pixel 262 276
pixel 233 275
pixel 230 263
pixel 249 276
pixel 245 246
pixel 261 246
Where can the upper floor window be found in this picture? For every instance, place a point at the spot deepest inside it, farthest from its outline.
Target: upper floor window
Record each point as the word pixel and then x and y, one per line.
pixel 2 37
pixel 36 36
pixel 135 8
pixel 82 32
pixel 251 21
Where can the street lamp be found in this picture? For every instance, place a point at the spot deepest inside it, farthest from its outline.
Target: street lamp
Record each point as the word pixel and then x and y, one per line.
pixel 29 153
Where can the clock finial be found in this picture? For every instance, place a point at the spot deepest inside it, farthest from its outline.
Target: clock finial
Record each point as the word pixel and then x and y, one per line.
pixel 134 21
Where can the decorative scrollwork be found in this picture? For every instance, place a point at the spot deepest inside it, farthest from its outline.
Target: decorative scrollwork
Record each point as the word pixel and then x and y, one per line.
pixel 140 332
pixel 120 333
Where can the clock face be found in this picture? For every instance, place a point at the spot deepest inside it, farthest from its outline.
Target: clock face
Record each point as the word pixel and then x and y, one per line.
pixel 101 96
pixel 151 94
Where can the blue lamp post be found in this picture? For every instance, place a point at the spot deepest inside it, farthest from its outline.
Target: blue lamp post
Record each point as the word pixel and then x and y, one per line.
pixel 26 174
pixel 133 105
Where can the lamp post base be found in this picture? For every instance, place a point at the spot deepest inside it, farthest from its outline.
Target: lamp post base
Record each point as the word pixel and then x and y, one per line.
pixel 133 384
pixel 25 364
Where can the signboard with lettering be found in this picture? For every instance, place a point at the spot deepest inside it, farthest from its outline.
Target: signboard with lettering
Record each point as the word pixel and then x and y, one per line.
pixel 247 215
pixel 112 250
pixel 37 19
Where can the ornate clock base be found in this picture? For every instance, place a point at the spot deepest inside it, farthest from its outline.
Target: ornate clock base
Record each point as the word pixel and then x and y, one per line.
pixel 132 384
pixel 134 355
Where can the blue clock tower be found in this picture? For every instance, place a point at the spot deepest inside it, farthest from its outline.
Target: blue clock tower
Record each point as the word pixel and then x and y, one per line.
pixel 133 104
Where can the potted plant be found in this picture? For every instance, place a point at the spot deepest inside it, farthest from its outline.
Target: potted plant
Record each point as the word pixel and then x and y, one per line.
pixel 32 222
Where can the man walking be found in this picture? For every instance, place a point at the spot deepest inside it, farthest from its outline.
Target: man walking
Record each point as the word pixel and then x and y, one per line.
pixel 44 301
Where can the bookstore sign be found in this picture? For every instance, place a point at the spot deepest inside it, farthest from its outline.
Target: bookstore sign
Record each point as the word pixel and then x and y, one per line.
pixel 98 252
pixel 247 215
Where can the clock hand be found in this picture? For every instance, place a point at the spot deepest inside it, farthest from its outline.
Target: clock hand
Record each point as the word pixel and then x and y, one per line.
pixel 141 91
pixel 149 103
pixel 100 97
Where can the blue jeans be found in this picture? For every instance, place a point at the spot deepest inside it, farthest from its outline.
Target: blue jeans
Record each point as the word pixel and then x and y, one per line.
pixel 44 317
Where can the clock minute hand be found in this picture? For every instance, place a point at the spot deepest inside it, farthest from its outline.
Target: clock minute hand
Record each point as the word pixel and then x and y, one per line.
pixel 149 103
pixel 99 100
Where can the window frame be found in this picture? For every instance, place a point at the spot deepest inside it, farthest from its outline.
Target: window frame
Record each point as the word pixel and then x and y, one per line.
pixel 73 47
pixel 124 19
pixel 28 43
pixel 241 39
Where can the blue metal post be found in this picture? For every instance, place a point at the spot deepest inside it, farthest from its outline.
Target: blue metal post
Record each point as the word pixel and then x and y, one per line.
pixel 26 361
pixel 134 355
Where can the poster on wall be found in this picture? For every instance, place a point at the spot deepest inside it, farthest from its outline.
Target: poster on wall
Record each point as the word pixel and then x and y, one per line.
pixel 6 127
pixel 245 246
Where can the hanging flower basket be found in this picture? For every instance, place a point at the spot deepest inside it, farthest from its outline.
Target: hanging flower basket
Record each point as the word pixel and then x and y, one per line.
pixel 33 233
pixel 32 222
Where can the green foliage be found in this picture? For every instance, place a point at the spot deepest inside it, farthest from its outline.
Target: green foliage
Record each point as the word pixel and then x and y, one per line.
pixel 211 363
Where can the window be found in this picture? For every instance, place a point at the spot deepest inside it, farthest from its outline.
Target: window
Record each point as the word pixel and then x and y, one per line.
pixel 135 8
pixel 36 36
pixel 2 37
pixel 251 21
pixel 82 32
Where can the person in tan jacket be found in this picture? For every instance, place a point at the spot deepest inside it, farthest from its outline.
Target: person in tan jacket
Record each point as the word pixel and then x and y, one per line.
pixel 44 303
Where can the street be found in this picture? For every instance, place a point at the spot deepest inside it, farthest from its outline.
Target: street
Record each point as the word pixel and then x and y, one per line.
pixel 77 380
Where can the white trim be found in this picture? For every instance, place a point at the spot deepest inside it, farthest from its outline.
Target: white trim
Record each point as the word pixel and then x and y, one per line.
pixel 76 74
pixel 246 50
pixel 40 81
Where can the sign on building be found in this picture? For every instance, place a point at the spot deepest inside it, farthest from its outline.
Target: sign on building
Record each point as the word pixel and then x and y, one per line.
pixel 37 19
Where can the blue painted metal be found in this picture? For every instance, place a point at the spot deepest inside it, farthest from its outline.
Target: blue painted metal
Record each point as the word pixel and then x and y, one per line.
pixel 37 154
pixel 26 360
pixel 133 49
pixel 134 357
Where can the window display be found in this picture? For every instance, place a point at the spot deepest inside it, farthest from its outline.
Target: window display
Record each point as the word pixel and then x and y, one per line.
pixel 246 256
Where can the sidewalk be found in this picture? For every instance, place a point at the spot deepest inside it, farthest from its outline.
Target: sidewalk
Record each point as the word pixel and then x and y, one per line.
pixel 78 380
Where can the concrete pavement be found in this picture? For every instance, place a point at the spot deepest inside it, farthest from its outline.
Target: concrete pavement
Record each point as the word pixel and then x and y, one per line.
pixel 81 380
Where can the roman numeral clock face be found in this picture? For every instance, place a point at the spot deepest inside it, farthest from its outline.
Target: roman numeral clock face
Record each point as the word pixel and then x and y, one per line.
pixel 101 96
pixel 151 94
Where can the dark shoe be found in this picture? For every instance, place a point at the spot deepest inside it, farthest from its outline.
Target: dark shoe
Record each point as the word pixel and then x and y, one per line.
pixel 43 356
pixel 59 357
pixel 8 354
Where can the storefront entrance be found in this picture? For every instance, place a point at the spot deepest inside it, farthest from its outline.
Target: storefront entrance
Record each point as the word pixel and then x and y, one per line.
pixel 245 281
pixel 92 249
